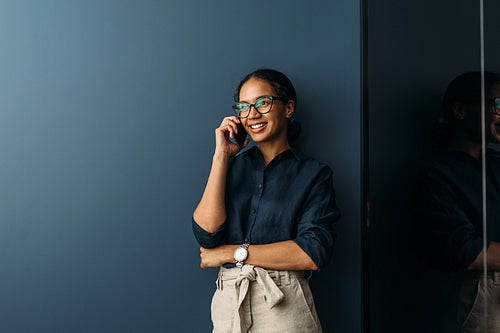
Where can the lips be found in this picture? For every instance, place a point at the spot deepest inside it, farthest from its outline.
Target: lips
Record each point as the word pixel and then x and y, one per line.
pixel 257 127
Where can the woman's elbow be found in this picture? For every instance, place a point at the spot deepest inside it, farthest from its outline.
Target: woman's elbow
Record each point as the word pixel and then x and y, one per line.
pixel 308 264
pixel 312 266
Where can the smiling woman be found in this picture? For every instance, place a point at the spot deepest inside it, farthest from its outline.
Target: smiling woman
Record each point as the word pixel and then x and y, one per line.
pixel 279 88
pixel 266 215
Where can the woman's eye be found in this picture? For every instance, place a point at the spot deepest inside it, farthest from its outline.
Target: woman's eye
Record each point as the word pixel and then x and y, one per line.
pixel 243 107
pixel 261 102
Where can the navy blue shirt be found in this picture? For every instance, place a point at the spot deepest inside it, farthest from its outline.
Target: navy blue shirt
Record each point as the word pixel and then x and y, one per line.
pixel 449 208
pixel 291 199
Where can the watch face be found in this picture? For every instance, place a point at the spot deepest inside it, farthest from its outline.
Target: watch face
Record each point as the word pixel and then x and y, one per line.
pixel 240 254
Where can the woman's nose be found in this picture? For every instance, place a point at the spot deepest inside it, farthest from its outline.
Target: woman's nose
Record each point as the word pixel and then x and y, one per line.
pixel 253 113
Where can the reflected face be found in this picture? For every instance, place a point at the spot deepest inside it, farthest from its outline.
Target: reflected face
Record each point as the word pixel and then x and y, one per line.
pixel 492 121
pixel 270 126
pixel 472 117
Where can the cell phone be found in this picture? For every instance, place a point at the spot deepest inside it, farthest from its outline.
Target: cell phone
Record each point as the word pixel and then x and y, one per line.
pixel 240 136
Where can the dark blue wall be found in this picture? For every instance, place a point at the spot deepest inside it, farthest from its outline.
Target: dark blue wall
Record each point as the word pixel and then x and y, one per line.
pixel 106 135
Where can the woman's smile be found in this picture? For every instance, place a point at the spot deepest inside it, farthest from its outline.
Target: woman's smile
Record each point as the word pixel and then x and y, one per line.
pixel 257 127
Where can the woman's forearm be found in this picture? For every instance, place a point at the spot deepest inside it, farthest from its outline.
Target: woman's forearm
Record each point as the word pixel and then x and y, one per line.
pixel 493 258
pixel 210 213
pixel 285 255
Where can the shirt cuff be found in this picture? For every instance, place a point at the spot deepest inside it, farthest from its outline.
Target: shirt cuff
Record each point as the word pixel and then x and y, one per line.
pixel 206 239
pixel 320 251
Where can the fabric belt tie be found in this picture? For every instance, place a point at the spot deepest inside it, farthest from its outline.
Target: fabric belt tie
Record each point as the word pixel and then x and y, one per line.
pixel 242 318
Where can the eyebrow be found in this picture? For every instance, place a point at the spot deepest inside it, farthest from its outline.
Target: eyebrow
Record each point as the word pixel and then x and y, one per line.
pixel 255 99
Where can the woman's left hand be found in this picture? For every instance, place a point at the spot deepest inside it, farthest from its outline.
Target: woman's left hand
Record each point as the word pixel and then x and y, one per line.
pixel 217 256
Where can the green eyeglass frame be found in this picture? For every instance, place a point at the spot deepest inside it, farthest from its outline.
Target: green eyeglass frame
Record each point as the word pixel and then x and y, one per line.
pixel 262 105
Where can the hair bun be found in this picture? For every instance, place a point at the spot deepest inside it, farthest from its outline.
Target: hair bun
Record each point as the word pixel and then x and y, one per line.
pixel 294 130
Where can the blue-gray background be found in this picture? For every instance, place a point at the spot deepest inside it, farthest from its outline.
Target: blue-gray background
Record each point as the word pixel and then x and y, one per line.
pixel 106 135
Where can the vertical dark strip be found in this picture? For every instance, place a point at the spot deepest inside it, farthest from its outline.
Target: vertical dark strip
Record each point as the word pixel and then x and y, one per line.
pixel 365 173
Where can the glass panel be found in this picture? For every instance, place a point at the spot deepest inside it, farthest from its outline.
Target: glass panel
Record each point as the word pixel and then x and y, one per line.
pixel 425 199
pixel 492 162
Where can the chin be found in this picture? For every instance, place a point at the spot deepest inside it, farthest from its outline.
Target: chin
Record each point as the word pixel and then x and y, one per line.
pixel 260 138
pixel 495 139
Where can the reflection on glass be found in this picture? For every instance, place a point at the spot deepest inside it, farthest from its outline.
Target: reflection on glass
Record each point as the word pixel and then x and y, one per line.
pixel 450 204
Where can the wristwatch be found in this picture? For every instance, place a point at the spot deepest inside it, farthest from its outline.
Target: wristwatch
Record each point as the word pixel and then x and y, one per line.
pixel 240 254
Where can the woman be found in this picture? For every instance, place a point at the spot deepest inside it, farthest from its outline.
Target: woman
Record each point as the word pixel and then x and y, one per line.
pixel 449 203
pixel 265 216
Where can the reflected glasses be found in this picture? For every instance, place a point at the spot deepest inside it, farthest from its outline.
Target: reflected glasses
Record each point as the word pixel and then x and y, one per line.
pixel 262 105
pixel 497 106
pixel 494 101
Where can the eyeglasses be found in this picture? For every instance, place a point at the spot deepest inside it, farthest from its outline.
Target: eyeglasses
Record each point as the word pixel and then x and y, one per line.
pixel 497 105
pixel 495 102
pixel 262 105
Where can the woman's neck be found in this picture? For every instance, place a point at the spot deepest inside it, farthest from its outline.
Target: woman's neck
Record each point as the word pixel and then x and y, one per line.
pixel 467 146
pixel 270 150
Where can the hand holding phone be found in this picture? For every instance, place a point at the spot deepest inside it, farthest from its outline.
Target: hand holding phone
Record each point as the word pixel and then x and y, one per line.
pixel 241 136
pixel 227 141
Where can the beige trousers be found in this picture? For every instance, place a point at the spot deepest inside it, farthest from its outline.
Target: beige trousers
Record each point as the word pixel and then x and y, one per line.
pixel 471 313
pixel 252 299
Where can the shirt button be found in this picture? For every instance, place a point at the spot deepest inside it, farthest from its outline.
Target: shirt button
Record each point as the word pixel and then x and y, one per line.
pixel 259 186
pixel 253 210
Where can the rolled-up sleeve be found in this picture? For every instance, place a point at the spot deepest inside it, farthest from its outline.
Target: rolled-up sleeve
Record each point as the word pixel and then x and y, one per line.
pixel 206 239
pixel 452 240
pixel 315 229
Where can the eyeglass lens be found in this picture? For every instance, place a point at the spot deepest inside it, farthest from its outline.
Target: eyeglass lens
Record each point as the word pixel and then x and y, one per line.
pixel 262 105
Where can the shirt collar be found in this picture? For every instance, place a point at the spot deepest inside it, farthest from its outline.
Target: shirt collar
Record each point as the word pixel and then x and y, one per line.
pixel 254 152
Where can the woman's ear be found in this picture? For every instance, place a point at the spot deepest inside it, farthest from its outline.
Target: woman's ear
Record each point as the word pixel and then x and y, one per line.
pixel 459 111
pixel 290 109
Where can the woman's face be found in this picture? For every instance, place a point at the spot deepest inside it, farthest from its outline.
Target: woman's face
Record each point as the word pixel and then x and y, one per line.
pixel 268 127
pixel 492 124
pixel 472 117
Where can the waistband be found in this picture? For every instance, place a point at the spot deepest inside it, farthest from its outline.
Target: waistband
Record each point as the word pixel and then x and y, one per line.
pixel 475 276
pixel 242 277
pixel 278 277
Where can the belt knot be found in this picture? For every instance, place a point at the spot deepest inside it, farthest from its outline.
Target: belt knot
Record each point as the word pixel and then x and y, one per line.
pixel 242 319
pixel 247 272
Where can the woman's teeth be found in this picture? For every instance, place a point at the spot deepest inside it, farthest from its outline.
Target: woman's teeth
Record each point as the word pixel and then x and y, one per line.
pixel 257 125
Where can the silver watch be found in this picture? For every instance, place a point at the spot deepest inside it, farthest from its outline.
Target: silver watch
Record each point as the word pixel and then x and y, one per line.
pixel 240 254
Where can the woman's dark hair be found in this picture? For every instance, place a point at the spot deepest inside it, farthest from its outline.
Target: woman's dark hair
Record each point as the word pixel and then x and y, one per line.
pixel 465 88
pixel 283 88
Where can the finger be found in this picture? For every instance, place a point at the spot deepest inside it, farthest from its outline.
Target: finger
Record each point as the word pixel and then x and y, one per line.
pixel 222 133
pixel 229 119
pixel 226 126
pixel 233 125
pixel 224 121
pixel 230 130
pixel 245 143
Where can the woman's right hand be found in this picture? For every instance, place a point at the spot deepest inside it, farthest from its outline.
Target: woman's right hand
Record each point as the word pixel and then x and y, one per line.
pixel 227 129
